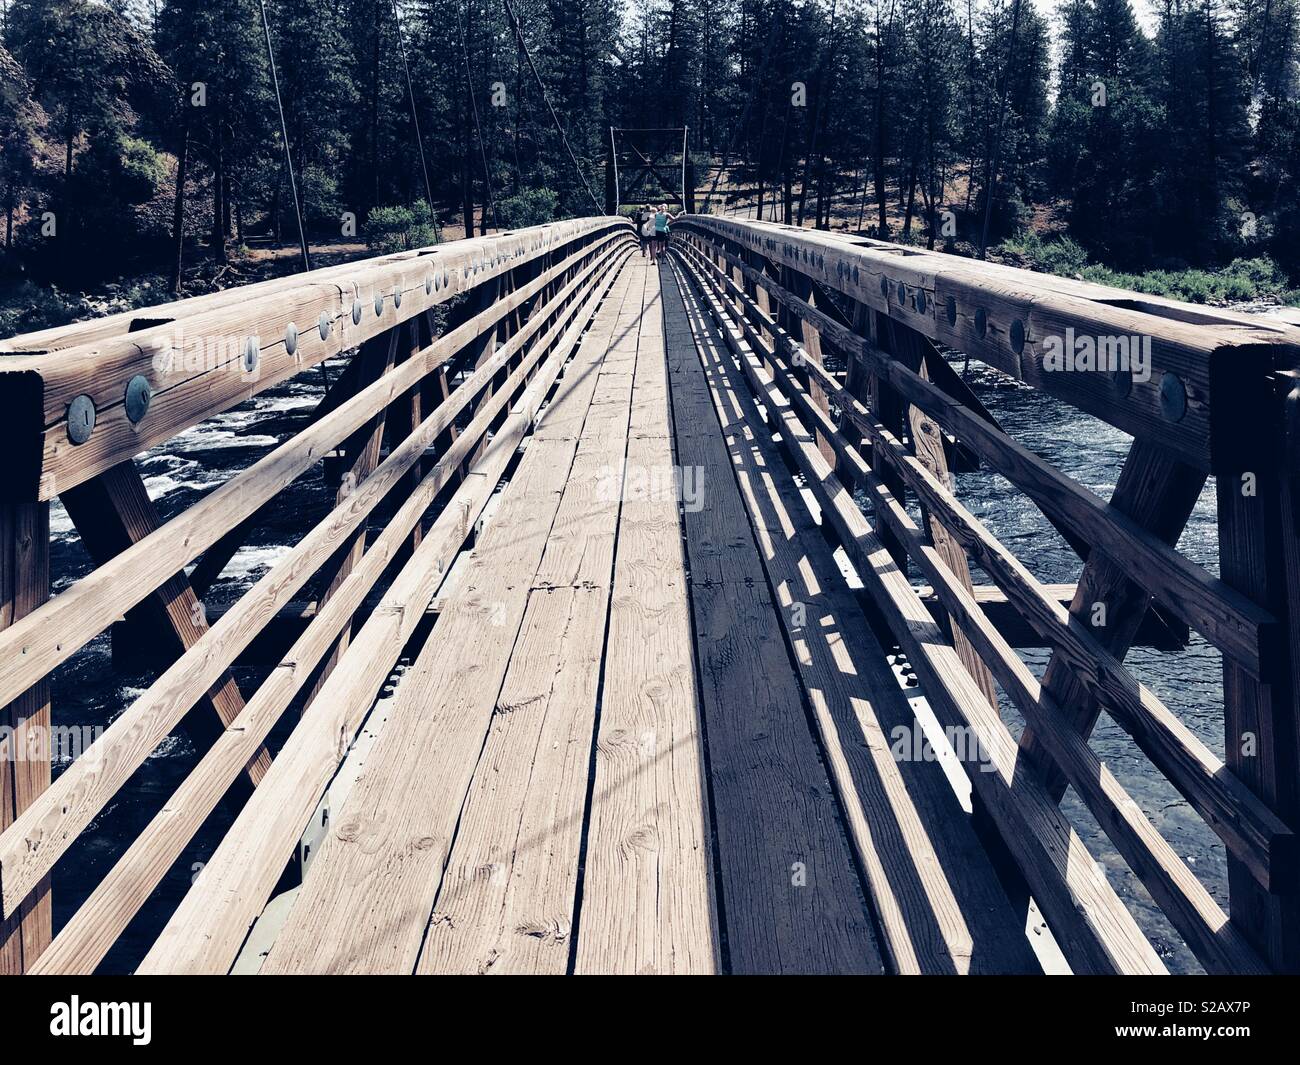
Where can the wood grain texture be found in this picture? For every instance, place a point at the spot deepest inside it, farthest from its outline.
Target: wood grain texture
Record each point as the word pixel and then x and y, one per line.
pixel 25 739
pixel 648 889
pixel 506 901
pixel 369 895
pixel 205 933
pixel 92 930
pixel 935 894
pixel 790 888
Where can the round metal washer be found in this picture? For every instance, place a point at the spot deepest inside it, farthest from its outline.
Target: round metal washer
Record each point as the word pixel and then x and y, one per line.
pixel 379 305
pixel 356 310
pixel 291 338
pixel 252 352
pixel 397 297
pixel 81 419
pixel 1173 397
pixel 981 322
pixel 323 326
pixel 1017 336
pixel 951 308
pixel 138 395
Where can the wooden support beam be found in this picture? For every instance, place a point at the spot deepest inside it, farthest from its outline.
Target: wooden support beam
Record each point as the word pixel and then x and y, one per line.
pixel 1154 630
pixel 928 447
pixel 1259 554
pixel 112 512
pixel 25 740
pixel 1158 492
pixel 377 356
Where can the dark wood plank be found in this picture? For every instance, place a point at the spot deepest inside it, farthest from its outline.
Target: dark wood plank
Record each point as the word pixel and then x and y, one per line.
pixel 790 889
pixel 25 741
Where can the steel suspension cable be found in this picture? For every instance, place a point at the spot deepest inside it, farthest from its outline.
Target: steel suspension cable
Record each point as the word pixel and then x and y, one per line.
pixel 478 129
pixel 415 121
pixel 284 134
pixel 514 21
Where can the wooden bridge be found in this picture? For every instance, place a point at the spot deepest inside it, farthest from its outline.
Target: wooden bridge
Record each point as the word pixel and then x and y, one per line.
pixel 651 554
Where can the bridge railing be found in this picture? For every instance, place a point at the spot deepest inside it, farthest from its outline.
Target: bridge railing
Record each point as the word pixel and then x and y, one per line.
pixel 456 347
pixel 1203 393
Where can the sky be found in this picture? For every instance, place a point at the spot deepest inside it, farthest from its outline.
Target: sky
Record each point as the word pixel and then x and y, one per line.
pixel 1144 9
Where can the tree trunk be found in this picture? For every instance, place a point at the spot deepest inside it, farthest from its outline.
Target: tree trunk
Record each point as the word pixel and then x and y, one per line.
pixel 911 199
pixel 218 199
pixel 178 211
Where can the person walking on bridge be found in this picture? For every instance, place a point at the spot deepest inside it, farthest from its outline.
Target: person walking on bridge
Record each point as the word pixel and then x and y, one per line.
pixel 663 223
pixel 638 220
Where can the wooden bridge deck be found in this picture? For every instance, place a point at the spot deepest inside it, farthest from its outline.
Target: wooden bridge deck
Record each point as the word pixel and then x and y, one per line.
pixel 620 746
pixel 684 613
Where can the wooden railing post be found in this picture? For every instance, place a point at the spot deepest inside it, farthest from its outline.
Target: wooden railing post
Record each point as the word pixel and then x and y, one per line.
pixel 25 739
pixel 1259 554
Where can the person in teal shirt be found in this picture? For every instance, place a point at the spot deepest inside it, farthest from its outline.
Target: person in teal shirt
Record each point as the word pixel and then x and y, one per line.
pixel 663 222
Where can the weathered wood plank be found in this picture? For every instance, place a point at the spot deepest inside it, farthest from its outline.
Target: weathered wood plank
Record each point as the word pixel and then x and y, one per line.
pixel 25 740
pixel 369 895
pixel 934 892
pixel 507 897
pixel 648 903
pixel 791 892
pixel 1159 493
pixel 1259 553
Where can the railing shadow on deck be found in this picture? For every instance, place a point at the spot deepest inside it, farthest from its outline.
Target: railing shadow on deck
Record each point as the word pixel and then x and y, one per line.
pixel 1202 394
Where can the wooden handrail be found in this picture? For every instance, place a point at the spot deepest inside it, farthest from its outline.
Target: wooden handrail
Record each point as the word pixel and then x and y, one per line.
pixel 63 810
pixel 1245 823
pixel 82 943
pixel 1208 370
pixel 746 275
pixel 1228 619
pixel 107 393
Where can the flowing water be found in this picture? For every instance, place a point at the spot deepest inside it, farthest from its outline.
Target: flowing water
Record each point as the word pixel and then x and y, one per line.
pixel 1190 682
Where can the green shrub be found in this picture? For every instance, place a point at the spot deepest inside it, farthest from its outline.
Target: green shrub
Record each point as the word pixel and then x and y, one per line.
pixel 1241 280
pixel 391 229
pixel 25 308
pixel 528 207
